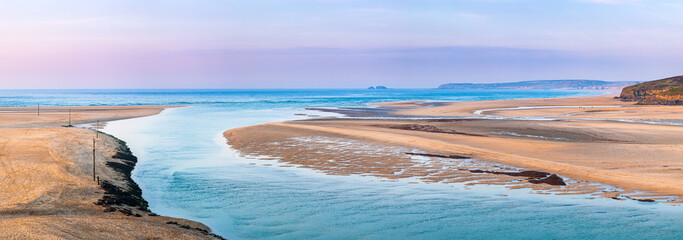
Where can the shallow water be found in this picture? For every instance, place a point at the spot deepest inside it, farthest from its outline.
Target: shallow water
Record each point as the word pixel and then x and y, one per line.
pixel 260 98
pixel 186 170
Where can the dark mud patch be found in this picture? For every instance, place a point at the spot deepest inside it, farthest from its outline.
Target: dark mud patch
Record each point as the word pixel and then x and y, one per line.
pixel 535 177
pixel 450 120
pixel 438 155
pixel 430 128
pixel 643 200
pixel 195 229
pixel 550 180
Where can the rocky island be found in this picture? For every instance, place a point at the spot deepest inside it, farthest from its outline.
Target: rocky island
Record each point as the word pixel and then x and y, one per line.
pixel 668 91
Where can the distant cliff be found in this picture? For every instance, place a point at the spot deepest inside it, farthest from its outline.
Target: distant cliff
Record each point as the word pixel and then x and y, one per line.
pixel 668 91
pixel 542 84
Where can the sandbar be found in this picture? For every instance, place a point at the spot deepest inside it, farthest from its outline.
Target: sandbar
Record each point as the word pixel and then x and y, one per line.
pixel 593 149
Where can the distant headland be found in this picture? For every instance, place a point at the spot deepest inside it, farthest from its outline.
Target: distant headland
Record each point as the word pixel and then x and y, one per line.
pixel 569 84
pixel 378 87
pixel 668 91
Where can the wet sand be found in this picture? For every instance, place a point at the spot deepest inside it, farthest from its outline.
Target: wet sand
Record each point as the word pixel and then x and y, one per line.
pixel 631 156
pixel 46 184
pixel 602 107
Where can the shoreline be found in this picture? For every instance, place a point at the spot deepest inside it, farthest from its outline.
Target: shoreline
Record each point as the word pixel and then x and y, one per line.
pixel 52 166
pixel 14 117
pixel 594 150
pixel 454 141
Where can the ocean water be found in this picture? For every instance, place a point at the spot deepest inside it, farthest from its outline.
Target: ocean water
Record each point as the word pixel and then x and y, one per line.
pixel 259 99
pixel 187 170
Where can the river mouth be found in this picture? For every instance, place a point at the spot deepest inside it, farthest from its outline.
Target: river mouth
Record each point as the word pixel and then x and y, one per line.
pixel 187 170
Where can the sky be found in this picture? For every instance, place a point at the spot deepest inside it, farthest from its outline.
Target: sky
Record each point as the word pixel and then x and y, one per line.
pixel 333 43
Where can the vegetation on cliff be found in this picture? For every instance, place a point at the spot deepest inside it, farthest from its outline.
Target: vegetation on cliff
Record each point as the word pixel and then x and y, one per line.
pixel 668 91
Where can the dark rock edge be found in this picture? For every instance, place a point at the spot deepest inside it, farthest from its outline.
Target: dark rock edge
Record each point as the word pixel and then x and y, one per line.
pixel 117 199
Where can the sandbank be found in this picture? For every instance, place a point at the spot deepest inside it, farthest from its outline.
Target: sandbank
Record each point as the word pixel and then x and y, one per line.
pixel 629 155
pixel 601 107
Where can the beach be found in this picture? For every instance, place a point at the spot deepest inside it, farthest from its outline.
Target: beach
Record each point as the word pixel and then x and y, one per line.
pixel 47 186
pixel 603 107
pixel 593 143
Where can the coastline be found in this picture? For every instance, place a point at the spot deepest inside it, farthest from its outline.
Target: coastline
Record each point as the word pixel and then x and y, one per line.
pixel 601 107
pixel 388 143
pixel 27 117
pixel 584 146
pixel 52 167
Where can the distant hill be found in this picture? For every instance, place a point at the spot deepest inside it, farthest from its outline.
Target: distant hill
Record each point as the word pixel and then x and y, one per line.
pixel 542 84
pixel 668 91
pixel 378 87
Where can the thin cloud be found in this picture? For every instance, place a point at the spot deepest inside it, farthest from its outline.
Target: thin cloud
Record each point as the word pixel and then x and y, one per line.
pixel 74 21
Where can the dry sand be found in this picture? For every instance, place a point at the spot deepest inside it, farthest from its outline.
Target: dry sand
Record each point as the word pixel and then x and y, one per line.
pixel 46 185
pixel 604 107
pixel 59 116
pixel 632 156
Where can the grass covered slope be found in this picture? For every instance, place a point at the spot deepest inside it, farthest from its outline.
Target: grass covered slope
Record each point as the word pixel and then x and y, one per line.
pixel 668 91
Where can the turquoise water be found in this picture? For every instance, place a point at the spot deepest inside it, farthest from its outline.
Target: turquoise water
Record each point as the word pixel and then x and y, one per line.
pixel 258 99
pixel 186 170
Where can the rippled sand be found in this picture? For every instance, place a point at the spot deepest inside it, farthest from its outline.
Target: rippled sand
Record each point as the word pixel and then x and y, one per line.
pixel 587 153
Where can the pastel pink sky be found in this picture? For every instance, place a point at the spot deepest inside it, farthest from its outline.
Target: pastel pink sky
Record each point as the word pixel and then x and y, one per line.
pixel 333 43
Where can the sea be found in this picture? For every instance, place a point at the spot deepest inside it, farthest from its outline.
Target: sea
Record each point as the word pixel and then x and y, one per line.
pixel 187 170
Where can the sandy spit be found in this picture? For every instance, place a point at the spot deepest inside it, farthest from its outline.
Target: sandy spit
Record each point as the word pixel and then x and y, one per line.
pixel 46 184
